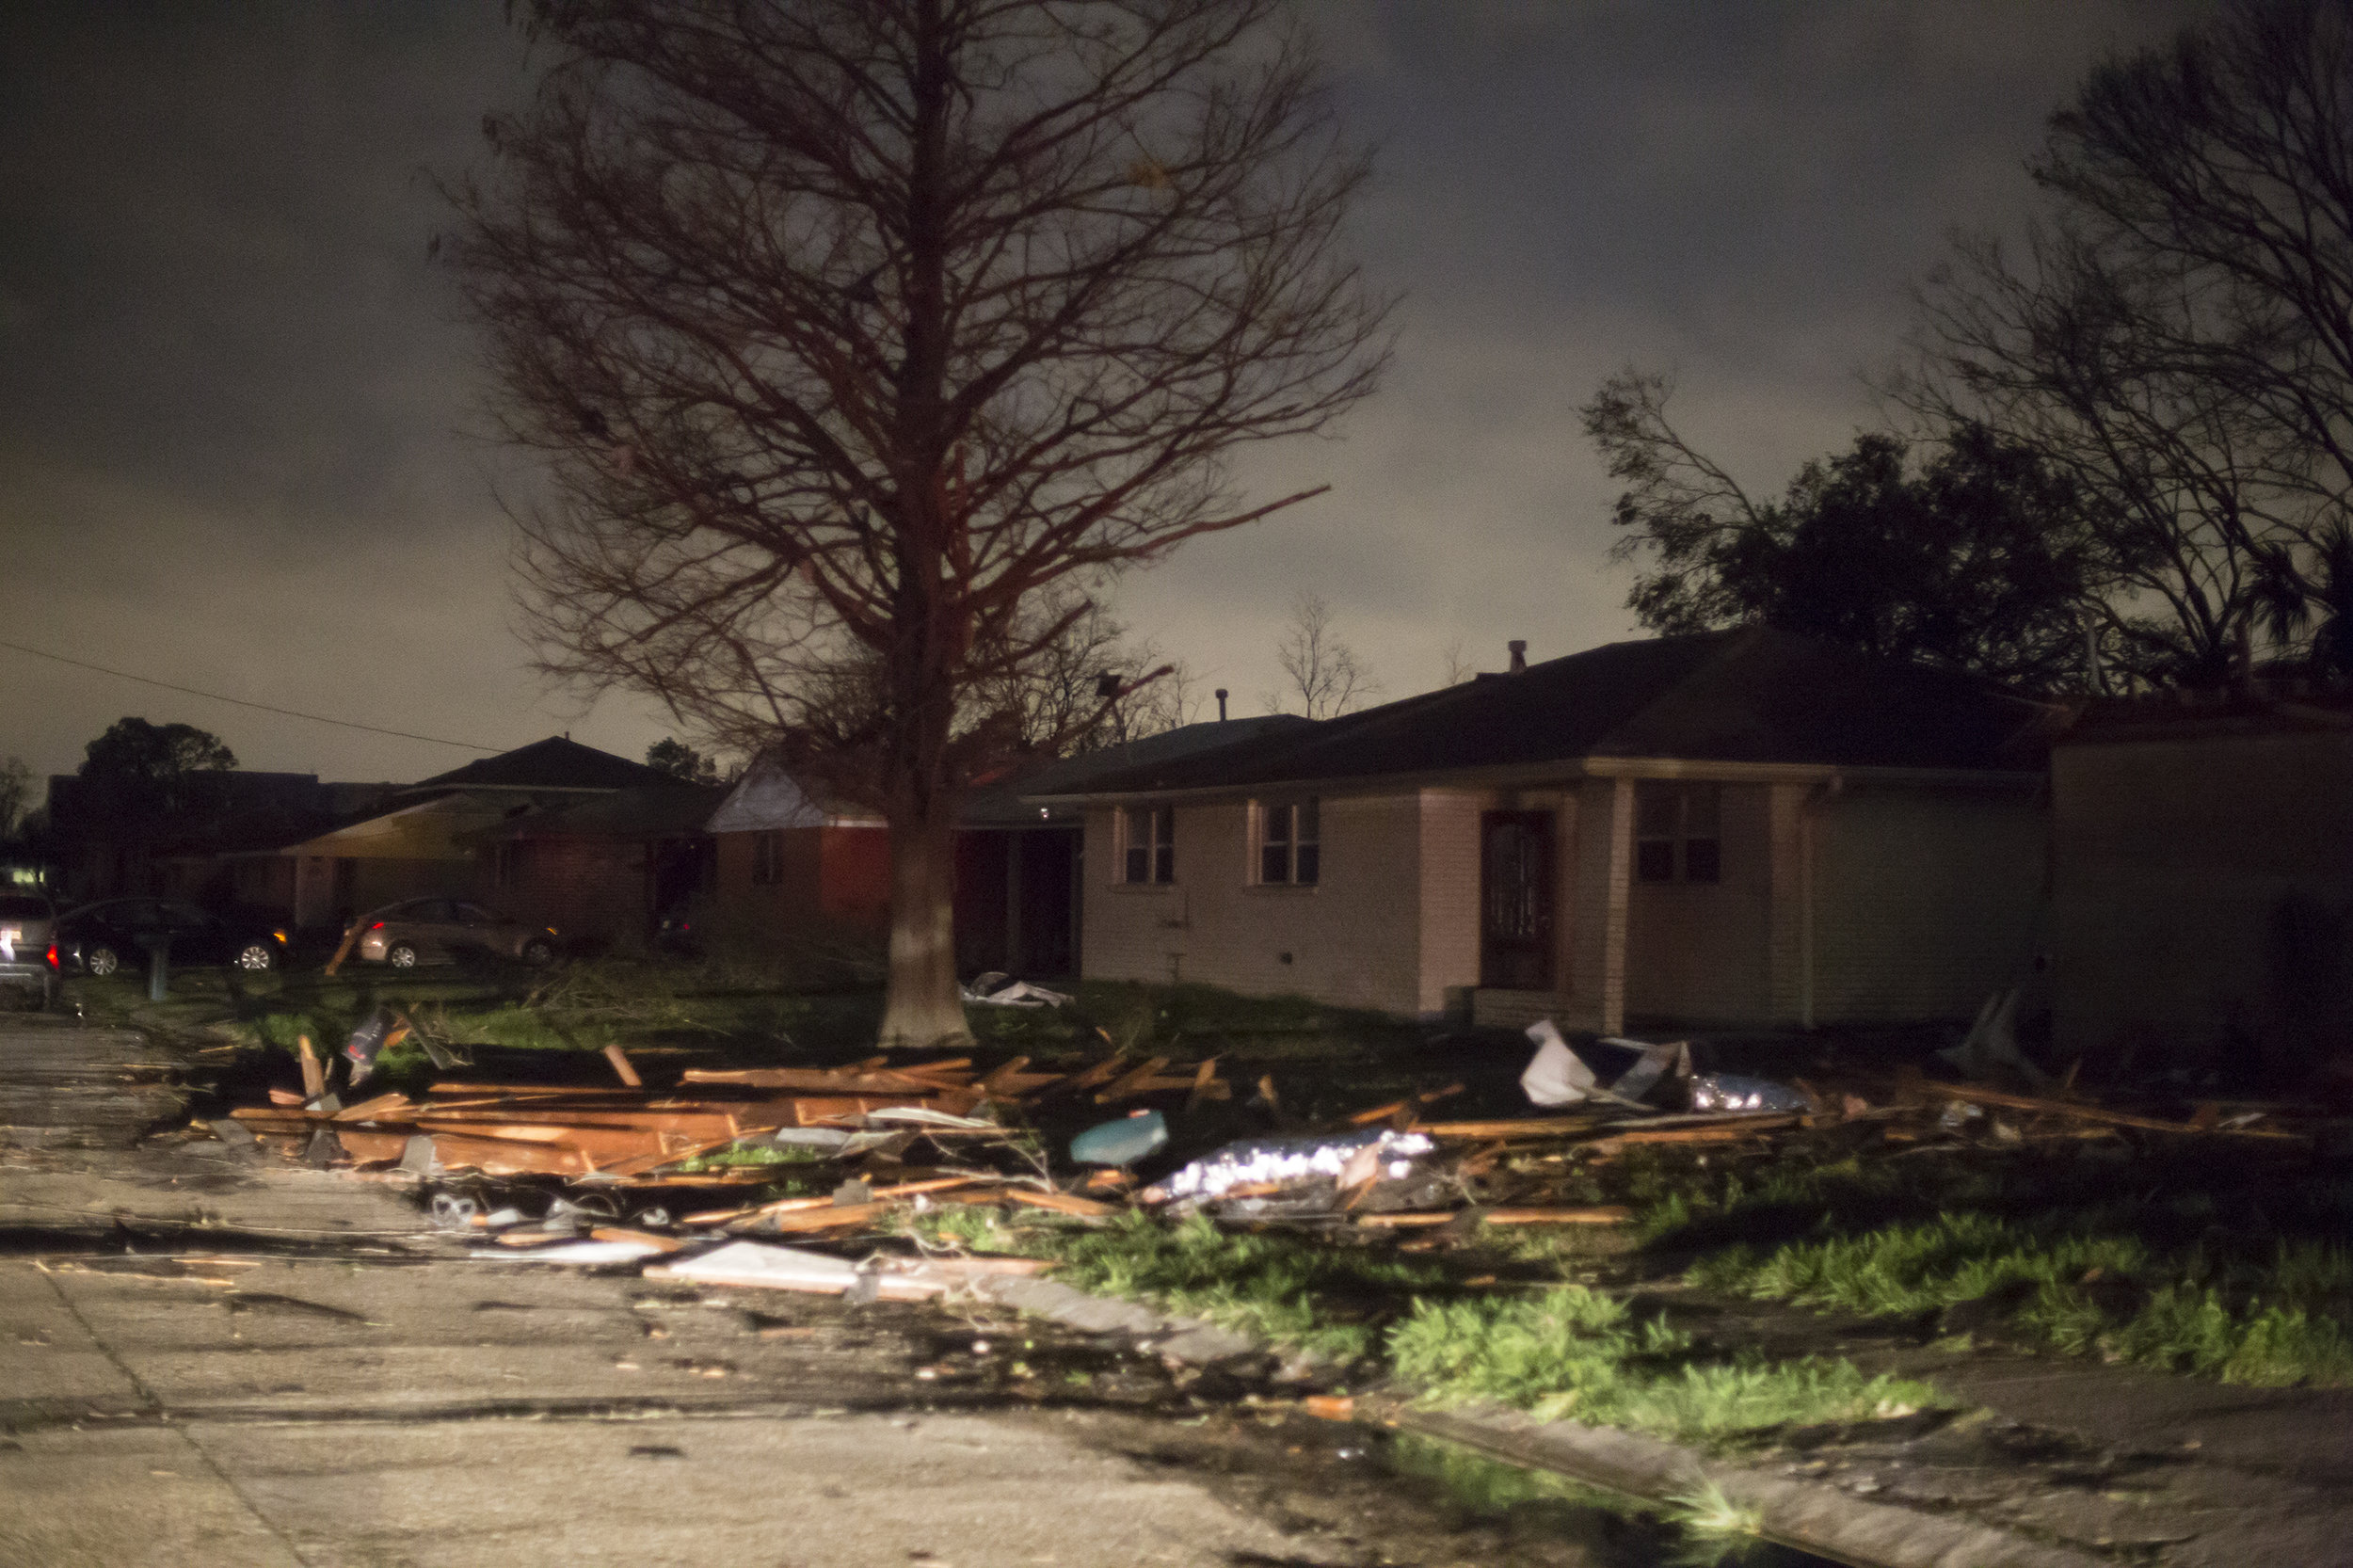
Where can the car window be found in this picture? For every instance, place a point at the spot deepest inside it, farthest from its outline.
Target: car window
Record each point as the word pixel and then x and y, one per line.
pixel 431 911
pixel 473 914
pixel 132 914
pixel 17 906
pixel 182 915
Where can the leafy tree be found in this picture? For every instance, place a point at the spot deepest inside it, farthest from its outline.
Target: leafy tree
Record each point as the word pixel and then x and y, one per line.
pixel 155 767
pixel 1976 559
pixel 1324 674
pixel 855 330
pixel 681 762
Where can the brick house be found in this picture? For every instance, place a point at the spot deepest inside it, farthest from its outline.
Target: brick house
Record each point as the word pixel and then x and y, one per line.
pixel 786 863
pixel 602 871
pixel 2202 898
pixel 1732 830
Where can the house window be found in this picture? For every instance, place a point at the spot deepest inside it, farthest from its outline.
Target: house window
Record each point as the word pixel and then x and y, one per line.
pixel 1678 833
pixel 1148 844
pixel 1290 852
pixel 767 860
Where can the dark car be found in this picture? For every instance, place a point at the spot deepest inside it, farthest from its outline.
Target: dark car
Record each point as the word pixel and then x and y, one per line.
pixel 26 959
pixel 100 938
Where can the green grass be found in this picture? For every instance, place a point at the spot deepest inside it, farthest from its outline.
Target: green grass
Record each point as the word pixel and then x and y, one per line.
pixel 2215 1266
pixel 1575 1353
pixel 1333 1299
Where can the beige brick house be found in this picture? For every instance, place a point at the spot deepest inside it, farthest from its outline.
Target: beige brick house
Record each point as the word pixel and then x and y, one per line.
pixel 2201 902
pixel 1732 830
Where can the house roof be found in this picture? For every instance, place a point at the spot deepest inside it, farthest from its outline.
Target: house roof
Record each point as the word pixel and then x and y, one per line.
pixel 668 810
pixel 1007 803
pixel 558 762
pixel 768 798
pixel 1751 695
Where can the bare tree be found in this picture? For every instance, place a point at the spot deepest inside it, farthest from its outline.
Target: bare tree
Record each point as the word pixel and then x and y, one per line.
pixel 1458 664
pixel 1324 675
pixel 1095 685
pixel 848 328
pixel 2179 336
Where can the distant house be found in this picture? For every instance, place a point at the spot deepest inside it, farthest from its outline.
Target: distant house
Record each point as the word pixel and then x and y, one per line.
pixel 427 836
pixel 1020 864
pixel 2202 898
pixel 1732 830
pixel 785 862
pixel 604 869
pixel 112 843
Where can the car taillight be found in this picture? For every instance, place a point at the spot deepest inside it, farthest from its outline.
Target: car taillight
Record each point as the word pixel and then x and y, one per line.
pixel 378 926
pixel 53 955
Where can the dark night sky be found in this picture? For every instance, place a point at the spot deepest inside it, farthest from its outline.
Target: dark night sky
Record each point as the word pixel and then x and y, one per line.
pixel 231 448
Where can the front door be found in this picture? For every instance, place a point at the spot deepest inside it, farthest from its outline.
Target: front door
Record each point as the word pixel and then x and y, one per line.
pixel 1516 900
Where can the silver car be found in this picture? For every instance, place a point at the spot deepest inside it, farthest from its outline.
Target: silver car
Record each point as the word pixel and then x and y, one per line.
pixel 437 930
pixel 27 944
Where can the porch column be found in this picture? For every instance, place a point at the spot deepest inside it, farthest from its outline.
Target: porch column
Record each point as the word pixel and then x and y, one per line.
pixel 1621 874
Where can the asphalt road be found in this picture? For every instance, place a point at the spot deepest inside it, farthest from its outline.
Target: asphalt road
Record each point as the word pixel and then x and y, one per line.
pixel 210 1356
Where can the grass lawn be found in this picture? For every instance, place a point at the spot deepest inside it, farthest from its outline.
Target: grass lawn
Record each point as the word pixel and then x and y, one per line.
pixel 2231 1264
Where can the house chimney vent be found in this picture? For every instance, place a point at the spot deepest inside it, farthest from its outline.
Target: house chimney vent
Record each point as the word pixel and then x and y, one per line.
pixel 1519 654
pixel 1221 705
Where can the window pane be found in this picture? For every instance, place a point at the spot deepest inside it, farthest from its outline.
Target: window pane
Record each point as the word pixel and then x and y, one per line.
pixel 1274 824
pixel 1275 863
pixel 1703 859
pixel 1139 864
pixel 1655 813
pixel 1654 860
pixel 1164 863
pixel 1310 820
pixel 1310 865
pixel 1165 827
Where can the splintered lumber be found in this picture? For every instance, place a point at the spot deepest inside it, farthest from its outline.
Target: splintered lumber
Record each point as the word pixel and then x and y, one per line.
pixel 1590 1214
pixel 644 1163
pixel 786 1206
pixel 343 948
pixel 313 1070
pixel 1136 1083
pixel 622 1068
pixel 832 1216
pixel 2004 1099
pixel 623 1233
pixel 1101 1072
pixel 819 1081
pixel 1061 1203
pixel 384 1107
pixel 1524 1126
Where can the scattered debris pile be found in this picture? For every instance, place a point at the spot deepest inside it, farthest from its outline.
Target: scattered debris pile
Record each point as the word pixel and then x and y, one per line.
pixel 625 1174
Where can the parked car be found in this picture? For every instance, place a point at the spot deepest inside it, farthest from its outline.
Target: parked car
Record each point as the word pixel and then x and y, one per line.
pixel 28 956
pixel 438 930
pixel 100 938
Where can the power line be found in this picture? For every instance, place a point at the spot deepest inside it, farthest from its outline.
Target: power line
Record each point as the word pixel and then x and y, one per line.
pixel 240 702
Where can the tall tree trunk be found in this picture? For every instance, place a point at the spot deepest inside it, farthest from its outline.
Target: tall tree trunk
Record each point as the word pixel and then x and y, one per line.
pixel 922 1003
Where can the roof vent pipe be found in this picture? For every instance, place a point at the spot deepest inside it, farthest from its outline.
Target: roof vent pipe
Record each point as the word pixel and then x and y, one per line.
pixel 1221 705
pixel 1519 654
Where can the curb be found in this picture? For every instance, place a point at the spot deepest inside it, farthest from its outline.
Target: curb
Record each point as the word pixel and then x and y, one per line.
pixel 1806 1514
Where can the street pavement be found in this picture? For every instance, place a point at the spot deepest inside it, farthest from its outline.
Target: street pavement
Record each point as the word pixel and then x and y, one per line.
pixel 211 1355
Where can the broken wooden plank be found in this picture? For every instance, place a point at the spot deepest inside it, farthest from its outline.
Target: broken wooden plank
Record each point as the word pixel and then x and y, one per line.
pixel 2004 1099
pixel 1133 1082
pixel 621 1068
pixel 623 1233
pixel 392 1107
pixel 313 1070
pixel 1061 1203
pixel 831 1216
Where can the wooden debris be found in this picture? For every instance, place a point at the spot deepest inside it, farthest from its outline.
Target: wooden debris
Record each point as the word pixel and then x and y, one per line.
pixel 2004 1099
pixel 313 1070
pixel 622 1068
pixel 1061 1203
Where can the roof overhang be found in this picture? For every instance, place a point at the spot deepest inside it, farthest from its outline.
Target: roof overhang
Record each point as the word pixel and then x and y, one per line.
pixel 1525 775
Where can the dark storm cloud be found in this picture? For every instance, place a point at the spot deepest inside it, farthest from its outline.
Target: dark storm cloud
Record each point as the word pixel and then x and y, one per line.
pixel 228 453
